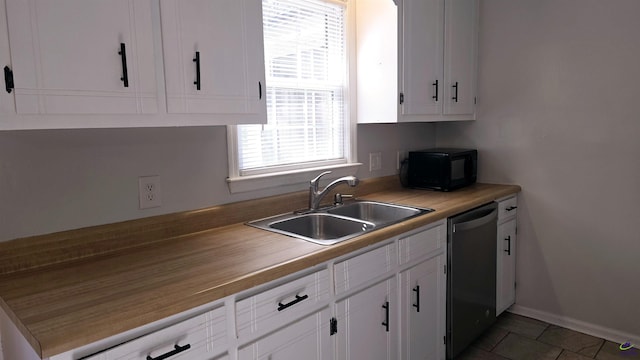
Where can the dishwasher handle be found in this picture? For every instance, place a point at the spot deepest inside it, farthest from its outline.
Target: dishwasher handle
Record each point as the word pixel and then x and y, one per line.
pixel 476 218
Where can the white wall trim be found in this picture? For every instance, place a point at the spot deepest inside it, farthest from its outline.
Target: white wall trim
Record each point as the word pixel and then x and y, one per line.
pixel 613 335
pixel 292 177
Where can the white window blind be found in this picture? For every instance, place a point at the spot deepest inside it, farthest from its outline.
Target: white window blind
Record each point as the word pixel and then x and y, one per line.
pixel 306 73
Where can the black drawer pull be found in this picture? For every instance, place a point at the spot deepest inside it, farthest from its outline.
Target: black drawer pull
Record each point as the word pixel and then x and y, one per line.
pixel 386 317
pixel 435 97
pixel 125 73
pixel 510 208
pixel 8 79
pixel 417 304
pixel 177 350
pixel 298 298
pixel 455 97
pixel 508 240
pixel 197 61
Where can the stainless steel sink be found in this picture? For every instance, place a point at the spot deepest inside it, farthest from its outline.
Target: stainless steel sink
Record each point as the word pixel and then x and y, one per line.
pixel 322 228
pixel 377 212
pixel 338 223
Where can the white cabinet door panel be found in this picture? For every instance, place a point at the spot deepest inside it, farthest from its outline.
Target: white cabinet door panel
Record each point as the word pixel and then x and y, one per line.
pixel 227 34
pixel 422 25
pixel 506 266
pixel 423 309
pixel 461 18
pixel 305 339
pixel 66 60
pixel 362 333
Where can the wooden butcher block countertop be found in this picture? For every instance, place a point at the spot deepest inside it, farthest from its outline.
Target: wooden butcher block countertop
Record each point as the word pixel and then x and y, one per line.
pixel 69 289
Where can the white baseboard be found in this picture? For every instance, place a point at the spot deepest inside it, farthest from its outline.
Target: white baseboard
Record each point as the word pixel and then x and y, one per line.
pixel 613 335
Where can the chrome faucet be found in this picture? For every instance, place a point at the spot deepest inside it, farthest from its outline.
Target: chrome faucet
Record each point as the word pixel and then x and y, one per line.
pixel 315 195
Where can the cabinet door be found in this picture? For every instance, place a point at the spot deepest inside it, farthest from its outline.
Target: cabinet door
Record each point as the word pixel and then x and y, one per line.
pixel 305 339
pixel 460 44
pixel 423 309
pixel 214 57
pixel 67 56
pixel 368 323
pixel 506 266
pixel 377 61
pixel 422 24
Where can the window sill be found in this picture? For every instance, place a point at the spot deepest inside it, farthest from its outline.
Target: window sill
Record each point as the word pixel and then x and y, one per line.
pixel 265 181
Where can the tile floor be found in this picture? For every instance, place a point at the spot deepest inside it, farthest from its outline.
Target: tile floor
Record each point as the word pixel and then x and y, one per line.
pixel 515 337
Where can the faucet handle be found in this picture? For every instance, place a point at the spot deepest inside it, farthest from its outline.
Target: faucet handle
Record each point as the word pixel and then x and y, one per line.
pixel 315 180
pixel 337 198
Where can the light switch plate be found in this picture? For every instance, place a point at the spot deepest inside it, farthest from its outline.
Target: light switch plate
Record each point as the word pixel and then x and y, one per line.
pixel 375 161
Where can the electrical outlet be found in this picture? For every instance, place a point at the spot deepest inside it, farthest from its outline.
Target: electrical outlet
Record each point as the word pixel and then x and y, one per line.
pixel 375 161
pixel 149 191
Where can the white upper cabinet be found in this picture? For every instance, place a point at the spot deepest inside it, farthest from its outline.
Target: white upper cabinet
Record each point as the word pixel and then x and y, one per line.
pixel 422 25
pixel 377 61
pixel 82 57
pixel 460 54
pixel 437 59
pixel 214 58
pixel 417 61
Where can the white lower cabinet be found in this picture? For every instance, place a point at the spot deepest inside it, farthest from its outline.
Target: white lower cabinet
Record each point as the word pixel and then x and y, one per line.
pixel 422 310
pixel 506 256
pixel 305 339
pixel 203 337
pixel 368 323
pixel 386 302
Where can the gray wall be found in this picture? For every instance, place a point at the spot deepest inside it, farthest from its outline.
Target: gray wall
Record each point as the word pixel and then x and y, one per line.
pixel 558 114
pixel 65 179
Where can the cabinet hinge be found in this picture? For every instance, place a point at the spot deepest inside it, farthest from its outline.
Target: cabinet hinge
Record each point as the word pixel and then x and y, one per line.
pixel 401 98
pixel 333 326
pixel 8 79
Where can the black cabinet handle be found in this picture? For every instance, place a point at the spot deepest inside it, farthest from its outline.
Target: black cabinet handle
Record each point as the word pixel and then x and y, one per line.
pixel 417 304
pixel 8 79
pixel 510 208
pixel 435 97
pixel 455 88
pixel 298 299
pixel 259 90
pixel 177 350
pixel 125 73
pixel 197 61
pixel 386 317
pixel 508 240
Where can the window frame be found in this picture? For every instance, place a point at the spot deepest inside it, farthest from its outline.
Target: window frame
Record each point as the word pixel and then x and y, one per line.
pixel 292 174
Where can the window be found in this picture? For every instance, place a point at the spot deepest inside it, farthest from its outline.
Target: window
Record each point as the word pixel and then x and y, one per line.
pixel 306 93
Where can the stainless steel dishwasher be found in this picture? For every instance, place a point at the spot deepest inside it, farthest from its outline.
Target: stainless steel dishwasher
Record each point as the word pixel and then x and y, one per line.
pixel 471 276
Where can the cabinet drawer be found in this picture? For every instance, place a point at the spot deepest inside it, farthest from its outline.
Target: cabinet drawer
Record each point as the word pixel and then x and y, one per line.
pixel 507 207
pixel 360 269
pixel 200 337
pixel 420 245
pixel 283 304
pixel 304 339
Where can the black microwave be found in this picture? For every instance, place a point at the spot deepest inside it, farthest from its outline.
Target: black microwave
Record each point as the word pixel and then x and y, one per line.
pixel 442 169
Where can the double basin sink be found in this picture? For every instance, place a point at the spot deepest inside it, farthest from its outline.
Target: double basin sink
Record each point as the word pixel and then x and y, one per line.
pixel 340 222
